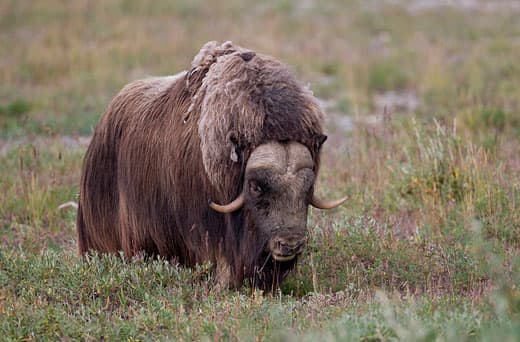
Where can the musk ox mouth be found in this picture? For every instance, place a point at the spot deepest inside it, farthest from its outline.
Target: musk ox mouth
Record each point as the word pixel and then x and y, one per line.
pixel 282 258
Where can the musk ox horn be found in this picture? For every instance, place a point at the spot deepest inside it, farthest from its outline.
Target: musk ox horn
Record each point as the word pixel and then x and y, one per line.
pixel 320 204
pixel 236 204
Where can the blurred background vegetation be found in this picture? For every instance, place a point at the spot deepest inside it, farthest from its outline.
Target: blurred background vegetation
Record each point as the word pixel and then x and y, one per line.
pixel 62 61
pixel 423 103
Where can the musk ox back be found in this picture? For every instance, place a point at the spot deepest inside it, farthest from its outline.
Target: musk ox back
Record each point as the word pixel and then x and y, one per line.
pixel 237 128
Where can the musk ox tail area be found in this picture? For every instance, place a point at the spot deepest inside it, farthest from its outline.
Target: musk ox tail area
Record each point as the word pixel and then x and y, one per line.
pixel 98 204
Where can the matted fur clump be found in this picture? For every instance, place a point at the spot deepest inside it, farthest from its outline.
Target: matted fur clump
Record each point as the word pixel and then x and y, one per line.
pixel 245 99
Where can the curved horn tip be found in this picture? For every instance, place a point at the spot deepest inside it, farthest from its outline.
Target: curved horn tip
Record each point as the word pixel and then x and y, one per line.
pixel 228 208
pixel 320 204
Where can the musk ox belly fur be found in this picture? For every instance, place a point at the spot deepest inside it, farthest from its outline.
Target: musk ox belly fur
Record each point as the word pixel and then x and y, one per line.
pixel 235 128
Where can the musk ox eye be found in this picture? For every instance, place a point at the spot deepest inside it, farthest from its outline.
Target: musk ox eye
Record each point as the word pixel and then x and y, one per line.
pixel 255 188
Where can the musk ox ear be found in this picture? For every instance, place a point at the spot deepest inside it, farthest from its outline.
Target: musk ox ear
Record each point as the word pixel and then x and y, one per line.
pixel 319 140
pixel 236 151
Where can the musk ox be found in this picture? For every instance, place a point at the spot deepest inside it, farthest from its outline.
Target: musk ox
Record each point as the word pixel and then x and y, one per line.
pixel 237 128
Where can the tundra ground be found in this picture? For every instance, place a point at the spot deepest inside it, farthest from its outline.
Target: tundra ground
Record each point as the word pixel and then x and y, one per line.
pixel 424 138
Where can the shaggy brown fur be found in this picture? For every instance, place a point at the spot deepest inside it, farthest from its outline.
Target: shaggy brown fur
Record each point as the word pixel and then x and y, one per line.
pixel 167 146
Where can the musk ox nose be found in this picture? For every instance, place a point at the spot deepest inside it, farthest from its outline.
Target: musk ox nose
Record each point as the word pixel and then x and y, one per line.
pixel 287 249
pixel 284 249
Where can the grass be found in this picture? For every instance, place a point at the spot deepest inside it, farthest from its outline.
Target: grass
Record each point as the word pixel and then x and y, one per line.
pixel 427 247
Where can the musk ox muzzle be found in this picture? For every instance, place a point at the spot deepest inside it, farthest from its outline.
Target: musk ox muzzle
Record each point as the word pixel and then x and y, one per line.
pixel 286 248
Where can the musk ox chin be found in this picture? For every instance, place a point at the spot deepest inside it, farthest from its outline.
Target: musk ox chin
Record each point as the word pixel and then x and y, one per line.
pixel 238 129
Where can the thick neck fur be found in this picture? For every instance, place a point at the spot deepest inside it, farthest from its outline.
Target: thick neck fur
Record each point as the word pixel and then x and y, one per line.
pixel 234 235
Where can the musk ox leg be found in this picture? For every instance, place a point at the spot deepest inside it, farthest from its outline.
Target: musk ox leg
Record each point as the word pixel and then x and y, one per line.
pixel 95 231
pixel 129 243
pixel 269 276
pixel 135 227
pixel 97 205
pixel 223 273
pixel 87 237
pixel 226 273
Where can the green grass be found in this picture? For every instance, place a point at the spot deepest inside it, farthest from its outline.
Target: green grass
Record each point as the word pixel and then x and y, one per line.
pixel 427 247
pixel 55 294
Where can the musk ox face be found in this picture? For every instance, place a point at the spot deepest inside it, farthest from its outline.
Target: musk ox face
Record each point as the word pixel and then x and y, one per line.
pixel 277 190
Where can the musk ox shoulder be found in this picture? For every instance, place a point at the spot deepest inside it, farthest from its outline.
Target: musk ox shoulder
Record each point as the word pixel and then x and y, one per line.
pixel 215 164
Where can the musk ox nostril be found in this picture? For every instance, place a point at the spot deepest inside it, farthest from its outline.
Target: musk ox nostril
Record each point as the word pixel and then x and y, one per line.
pixel 286 250
pixel 290 249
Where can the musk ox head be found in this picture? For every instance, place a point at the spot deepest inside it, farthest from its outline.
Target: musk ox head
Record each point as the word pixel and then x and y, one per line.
pixel 277 190
pixel 255 117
